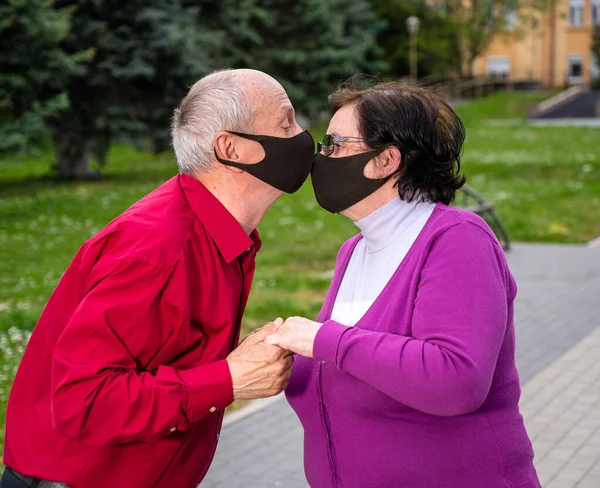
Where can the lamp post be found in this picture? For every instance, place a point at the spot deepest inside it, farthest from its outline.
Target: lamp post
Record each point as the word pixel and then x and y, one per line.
pixel 412 24
pixel 534 25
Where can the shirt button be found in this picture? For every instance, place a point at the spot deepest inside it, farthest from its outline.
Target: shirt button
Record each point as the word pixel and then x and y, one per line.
pixel 173 429
pixel 213 409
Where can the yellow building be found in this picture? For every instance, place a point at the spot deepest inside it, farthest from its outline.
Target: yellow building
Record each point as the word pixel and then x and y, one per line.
pixel 554 47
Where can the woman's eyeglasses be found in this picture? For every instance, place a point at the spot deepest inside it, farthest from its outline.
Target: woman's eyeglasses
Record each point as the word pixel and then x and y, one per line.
pixel 327 146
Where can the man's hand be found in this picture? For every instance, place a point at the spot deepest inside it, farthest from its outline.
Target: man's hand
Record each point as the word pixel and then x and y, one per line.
pixel 297 334
pixel 260 370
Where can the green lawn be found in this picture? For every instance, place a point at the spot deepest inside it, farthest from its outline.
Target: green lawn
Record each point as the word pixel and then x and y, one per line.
pixel 502 105
pixel 544 181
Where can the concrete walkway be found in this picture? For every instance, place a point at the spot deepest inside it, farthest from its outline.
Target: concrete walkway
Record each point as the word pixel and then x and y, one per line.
pixel 561 406
pixel 557 317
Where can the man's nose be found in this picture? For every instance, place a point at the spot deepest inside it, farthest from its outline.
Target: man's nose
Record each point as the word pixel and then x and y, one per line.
pixel 296 129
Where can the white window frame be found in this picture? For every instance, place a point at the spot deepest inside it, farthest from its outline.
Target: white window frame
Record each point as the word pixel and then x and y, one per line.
pixel 595 12
pixel 511 20
pixel 571 60
pixel 493 62
pixel 576 13
pixel 594 67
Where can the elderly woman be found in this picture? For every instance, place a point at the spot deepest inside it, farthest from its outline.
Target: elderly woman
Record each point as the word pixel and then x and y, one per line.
pixel 408 376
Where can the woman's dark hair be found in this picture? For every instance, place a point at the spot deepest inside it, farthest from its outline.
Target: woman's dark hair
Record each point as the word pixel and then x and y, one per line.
pixel 421 124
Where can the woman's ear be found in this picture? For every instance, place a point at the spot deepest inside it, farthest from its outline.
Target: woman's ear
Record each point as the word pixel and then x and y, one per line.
pixel 385 164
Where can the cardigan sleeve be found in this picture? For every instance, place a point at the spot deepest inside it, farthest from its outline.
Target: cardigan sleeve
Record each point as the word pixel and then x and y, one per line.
pixel 459 321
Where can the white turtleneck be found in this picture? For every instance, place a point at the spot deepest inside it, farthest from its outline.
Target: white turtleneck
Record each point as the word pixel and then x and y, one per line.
pixel 387 235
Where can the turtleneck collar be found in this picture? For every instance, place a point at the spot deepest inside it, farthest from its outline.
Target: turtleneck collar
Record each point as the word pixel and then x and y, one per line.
pixel 387 223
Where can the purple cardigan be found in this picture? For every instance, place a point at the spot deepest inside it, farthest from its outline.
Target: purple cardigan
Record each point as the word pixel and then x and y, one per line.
pixel 423 392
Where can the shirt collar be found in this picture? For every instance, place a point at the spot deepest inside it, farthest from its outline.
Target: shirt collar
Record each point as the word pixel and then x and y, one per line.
pixel 228 234
pixel 388 222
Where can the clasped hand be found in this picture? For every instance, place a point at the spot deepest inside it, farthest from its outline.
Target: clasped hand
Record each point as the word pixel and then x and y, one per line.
pixel 297 335
pixel 262 364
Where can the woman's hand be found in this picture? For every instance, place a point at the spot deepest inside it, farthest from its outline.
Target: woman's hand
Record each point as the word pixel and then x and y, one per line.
pixel 297 334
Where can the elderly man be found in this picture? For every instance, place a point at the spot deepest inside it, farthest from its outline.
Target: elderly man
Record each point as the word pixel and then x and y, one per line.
pixel 130 366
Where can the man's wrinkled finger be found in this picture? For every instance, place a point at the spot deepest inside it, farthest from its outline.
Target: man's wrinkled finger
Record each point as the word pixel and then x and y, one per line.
pixel 272 327
pixel 273 339
pixel 288 355
pixel 259 334
pixel 247 336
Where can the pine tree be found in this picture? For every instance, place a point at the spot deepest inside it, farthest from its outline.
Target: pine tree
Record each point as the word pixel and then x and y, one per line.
pixel 308 45
pixel 143 55
pixel 33 70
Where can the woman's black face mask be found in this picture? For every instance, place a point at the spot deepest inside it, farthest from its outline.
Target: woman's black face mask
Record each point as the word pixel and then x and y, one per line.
pixel 287 162
pixel 340 183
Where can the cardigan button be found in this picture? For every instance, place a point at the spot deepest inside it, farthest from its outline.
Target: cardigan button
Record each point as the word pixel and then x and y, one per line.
pixel 213 409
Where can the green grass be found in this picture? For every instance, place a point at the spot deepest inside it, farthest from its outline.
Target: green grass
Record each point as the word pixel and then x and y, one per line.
pixel 502 105
pixel 544 182
pixel 45 222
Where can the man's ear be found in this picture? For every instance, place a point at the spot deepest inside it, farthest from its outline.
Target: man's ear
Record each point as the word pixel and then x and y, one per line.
pixel 231 147
pixel 224 146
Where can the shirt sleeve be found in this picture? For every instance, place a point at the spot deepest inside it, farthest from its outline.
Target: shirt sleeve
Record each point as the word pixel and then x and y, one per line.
pixel 459 322
pixel 101 391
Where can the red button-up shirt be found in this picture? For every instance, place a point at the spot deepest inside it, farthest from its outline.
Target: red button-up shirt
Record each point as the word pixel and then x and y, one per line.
pixel 124 381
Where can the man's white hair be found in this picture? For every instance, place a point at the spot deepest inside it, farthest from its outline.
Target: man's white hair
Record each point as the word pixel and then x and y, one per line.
pixel 216 102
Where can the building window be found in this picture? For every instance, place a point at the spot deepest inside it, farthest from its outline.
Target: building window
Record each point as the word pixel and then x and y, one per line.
pixel 511 20
pixel 575 73
pixel 595 12
pixel 576 12
pixel 498 66
pixel 594 68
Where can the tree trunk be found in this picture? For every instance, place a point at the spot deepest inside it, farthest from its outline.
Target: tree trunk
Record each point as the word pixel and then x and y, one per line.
pixel 73 156
pixel 471 67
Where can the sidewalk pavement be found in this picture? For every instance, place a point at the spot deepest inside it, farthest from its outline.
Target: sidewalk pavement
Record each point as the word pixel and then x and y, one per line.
pixel 557 317
pixel 561 406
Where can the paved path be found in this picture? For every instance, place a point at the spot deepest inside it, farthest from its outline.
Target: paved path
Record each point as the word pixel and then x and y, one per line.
pixel 557 317
pixel 561 406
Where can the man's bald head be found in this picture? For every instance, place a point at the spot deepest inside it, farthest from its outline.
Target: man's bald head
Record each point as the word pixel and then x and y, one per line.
pixel 224 100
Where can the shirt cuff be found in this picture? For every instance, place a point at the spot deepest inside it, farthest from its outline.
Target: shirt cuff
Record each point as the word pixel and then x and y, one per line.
pixel 327 341
pixel 210 387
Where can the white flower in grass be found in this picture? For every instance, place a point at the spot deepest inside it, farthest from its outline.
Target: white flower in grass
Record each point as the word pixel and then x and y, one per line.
pixel 287 221
pixel 502 195
pixel 25 305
